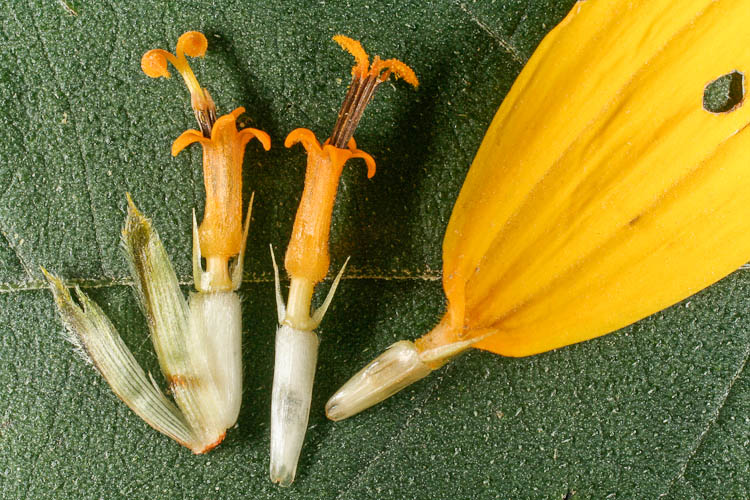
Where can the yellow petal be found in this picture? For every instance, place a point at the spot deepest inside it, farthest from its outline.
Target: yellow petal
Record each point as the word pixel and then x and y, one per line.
pixel 603 191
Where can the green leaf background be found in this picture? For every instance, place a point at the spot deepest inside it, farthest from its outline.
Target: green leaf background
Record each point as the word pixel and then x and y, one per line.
pixel 657 410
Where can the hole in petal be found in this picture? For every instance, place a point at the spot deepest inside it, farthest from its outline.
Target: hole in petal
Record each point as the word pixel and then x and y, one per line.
pixel 724 94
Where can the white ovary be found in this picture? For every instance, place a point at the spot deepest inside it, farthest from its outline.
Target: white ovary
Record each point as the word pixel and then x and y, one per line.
pixel 398 367
pixel 216 327
pixel 294 372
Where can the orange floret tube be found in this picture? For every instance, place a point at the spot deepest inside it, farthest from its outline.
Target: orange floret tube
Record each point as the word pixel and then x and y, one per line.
pixel 307 260
pixel 221 229
pixel 307 254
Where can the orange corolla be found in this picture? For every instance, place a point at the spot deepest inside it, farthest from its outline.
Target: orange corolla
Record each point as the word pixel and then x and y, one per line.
pixel 307 253
pixel 221 235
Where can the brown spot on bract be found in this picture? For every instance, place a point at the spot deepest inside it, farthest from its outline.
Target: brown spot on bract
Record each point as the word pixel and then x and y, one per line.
pixel 212 445
pixel 180 381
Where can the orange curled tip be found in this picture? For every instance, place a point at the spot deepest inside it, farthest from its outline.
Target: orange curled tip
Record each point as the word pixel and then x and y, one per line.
pixel 358 153
pixel 355 49
pixel 381 69
pixel 187 138
pixel 246 134
pixel 191 44
pixel 237 112
pixel 396 68
pixel 154 63
pixel 303 135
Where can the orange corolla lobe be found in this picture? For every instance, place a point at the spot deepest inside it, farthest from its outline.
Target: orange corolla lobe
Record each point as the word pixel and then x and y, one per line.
pixel 221 233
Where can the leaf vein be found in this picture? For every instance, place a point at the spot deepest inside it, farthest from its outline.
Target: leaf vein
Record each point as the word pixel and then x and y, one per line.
pixel 520 22
pixel 84 283
pixel 81 150
pixel 504 44
pixel 714 417
pixel 396 437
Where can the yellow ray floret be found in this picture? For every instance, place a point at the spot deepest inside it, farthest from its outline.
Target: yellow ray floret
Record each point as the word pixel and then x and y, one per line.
pixel 603 190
